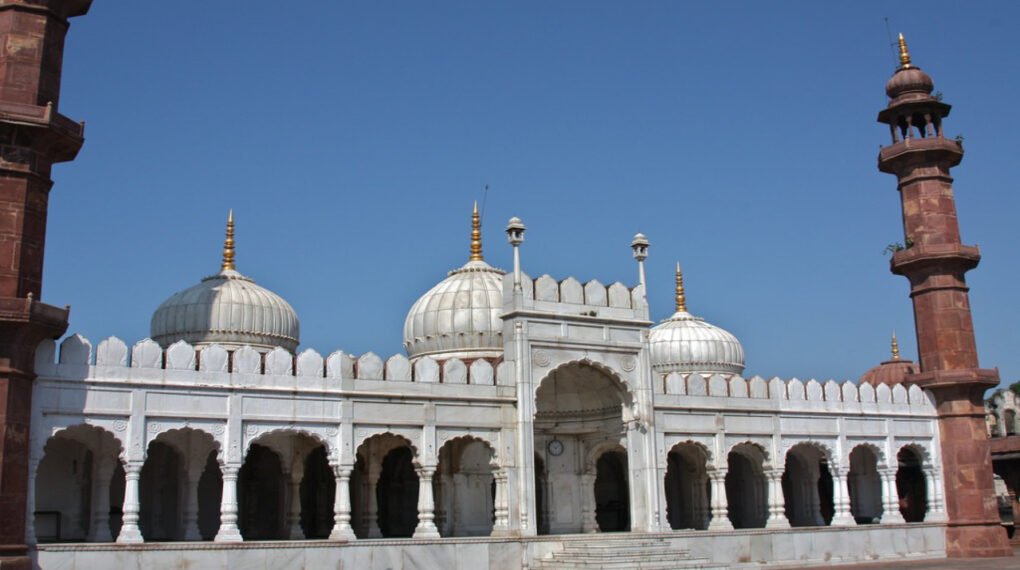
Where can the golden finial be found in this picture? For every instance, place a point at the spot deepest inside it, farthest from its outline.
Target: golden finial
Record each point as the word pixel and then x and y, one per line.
pixel 476 235
pixel 904 54
pixel 895 348
pixel 228 244
pixel 681 302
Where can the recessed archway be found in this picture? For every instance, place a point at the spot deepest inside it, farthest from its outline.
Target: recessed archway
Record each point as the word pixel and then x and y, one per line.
pixel 580 408
pixel 84 463
pixel 911 486
pixel 464 488
pixel 687 489
pixel 384 488
pixel 747 486
pixel 865 485
pixel 808 486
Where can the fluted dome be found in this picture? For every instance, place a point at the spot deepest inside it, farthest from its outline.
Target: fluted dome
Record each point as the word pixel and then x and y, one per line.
pixel 909 82
pixel 686 343
pixel 892 371
pixel 459 317
pixel 228 309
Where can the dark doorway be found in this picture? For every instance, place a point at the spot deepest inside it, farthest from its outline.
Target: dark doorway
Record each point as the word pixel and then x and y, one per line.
pixel 260 495
pixel 612 501
pixel 397 494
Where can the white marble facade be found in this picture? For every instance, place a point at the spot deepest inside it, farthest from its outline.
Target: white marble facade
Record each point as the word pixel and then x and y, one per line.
pixel 568 427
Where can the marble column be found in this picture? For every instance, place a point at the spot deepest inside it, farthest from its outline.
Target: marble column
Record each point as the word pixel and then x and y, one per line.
pixel 294 531
pixel 342 505
pixel 936 510
pixel 372 505
pixel 841 499
pixel 426 505
pixel 99 528
pixel 720 505
pixel 776 500
pixel 129 531
pixel 501 505
pixel 588 521
pixel 890 498
pixel 228 531
pixel 191 531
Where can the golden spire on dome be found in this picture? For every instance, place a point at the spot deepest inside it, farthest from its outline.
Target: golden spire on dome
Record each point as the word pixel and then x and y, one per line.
pixel 228 245
pixel 681 301
pixel 904 54
pixel 895 348
pixel 476 235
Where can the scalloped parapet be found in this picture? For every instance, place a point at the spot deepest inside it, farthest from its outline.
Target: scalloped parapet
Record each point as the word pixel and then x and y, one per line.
pixel 828 395
pixel 589 299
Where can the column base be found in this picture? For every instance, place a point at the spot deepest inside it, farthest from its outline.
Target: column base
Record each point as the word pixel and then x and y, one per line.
pixel 720 524
pixel 426 531
pixel 296 533
pixel 342 534
pixel 228 534
pixel 894 518
pixel 130 536
pixel 846 520
pixel 977 541
pixel 778 523
pixel 503 533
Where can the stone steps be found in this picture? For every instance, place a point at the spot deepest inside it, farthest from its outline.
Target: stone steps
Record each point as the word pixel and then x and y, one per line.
pixel 616 554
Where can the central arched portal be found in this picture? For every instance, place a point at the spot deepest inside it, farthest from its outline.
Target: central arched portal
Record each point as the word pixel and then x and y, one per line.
pixel 583 484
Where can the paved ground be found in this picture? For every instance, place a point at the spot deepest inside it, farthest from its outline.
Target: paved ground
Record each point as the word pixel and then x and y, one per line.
pixel 947 564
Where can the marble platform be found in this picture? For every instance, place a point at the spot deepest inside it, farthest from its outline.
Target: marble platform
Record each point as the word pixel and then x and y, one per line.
pixel 736 549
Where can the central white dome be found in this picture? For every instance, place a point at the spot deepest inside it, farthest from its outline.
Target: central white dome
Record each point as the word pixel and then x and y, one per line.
pixel 228 309
pixel 459 317
pixel 686 343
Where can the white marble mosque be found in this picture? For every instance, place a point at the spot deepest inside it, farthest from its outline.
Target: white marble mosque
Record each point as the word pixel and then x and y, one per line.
pixel 533 422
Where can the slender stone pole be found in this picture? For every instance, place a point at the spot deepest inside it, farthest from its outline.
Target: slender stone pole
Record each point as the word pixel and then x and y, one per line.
pixel 99 529
pixel 936 510
pixel 588 521
pixel 501 506
pixel 191 531
pixel 294 513
pixel 372 508
pixel 129 531
pixel 342 505
pixel 228 531
pixel 777 503
pixel 720 506
pixel 890 498
pixel 426 505
pixel 841 499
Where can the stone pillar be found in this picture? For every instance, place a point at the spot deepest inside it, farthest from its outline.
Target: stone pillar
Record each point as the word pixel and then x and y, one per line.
pixel 372 505
pixel 720 505
pixel 588 521
pixel 777 503
pixel 841 499
pixel 129 531
pixel 191 531
pixel 294 501
pixel 501 506
pixel 228 531
pixel 426 504
pixel 99 528
pixel 342 505
pixel 890 498
pixel 936 509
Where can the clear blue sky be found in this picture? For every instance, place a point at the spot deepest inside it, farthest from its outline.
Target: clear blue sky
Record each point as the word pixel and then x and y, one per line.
pixel 351 138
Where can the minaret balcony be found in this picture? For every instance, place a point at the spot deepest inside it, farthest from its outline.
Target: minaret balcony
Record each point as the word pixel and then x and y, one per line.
pixel 57 136
pixel 932 258
pixel 893 158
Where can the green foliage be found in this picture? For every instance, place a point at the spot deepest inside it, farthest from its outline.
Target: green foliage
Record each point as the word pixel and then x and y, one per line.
pixel 1015 387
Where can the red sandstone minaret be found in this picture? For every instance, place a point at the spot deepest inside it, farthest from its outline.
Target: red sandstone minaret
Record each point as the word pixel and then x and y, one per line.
pixel 33 136
pixel 935 261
